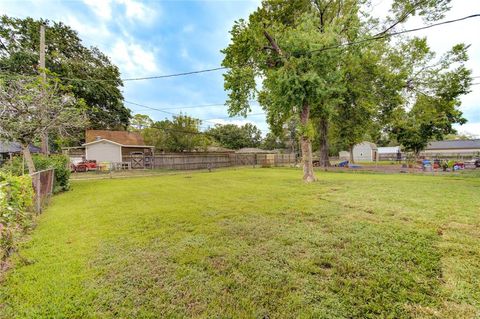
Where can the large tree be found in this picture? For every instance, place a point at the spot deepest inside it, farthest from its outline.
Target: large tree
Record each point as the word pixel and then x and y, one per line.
pixel 90 73
pixel 181 134
pixel 236 137
pixel 432 94
pixel 31 107
pixel 282 45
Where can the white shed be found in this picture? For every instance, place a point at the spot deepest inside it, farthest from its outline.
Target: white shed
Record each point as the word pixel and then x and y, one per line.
pixel 117 147
pixel 365 152
pixel 104 151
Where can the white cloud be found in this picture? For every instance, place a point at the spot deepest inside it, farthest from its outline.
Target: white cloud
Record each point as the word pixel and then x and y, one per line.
pixel 137 12
pixel 469 129
pixel 133 59
pixel 91 32
pixel 102 8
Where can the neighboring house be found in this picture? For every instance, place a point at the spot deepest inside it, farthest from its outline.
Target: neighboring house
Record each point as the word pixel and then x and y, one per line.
pixel 453 148
pixel 8 149
pixel 113 146
pixel 365 152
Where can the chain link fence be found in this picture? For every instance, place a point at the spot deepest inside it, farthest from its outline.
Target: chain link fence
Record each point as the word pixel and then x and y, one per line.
pixel 42 182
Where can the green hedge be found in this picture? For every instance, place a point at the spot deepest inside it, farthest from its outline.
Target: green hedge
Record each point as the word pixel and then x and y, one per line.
pixel 16 213
pixel 59 162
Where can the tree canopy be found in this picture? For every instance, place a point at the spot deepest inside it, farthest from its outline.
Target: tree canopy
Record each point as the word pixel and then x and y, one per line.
pixel 31 107
pixel 236 137
pixel 334 67
pixel 90 73
pixel 180 134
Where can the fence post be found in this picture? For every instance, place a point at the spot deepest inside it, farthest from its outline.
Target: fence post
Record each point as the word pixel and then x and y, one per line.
pixel 38 191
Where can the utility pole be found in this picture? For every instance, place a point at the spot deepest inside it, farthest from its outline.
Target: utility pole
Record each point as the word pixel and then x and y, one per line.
pixel 44 136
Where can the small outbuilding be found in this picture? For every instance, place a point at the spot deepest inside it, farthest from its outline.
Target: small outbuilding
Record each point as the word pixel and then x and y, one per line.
pixel 389 153
pixel 365 152
pixel 114 146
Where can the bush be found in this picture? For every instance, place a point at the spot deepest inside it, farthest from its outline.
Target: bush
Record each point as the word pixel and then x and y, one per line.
pixel 16 214
pixel 59 162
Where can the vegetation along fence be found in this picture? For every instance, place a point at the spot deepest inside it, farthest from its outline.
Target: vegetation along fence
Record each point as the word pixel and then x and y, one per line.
pixel 42 182
pixel 192 161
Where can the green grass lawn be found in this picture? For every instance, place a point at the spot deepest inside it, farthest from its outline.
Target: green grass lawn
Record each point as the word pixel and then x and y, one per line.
pixel 253 243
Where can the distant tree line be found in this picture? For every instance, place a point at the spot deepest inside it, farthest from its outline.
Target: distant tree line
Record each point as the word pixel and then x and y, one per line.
pixel 184 133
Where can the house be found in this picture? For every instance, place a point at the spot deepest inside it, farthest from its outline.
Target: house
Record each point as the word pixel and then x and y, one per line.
pixel 389 153
pixel 365 152
pixel 114 146
pixel 8 149
pixel 453 148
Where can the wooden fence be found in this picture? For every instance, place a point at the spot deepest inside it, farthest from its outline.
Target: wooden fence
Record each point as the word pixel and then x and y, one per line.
pixel 42 182
pixel 192 161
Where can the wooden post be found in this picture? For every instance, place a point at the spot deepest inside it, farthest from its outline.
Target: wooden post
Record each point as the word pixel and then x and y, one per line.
pixel 44 137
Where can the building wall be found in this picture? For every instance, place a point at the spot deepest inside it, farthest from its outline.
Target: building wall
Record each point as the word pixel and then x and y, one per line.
pixel 363 152
pixel 126 151
pixel 465 151
pixel 104 152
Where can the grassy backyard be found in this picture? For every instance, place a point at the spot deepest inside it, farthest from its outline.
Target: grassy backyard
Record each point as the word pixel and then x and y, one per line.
pixel 253 243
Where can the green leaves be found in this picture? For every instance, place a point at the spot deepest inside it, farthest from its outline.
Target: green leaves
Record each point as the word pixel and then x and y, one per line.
pixel 235 137
pixel 181 134
pixel 16 195
pixel 88 71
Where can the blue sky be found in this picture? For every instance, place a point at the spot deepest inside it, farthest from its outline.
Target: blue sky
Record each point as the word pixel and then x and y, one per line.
pixel 161 37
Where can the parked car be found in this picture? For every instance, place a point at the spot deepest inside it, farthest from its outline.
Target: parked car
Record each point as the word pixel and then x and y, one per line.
pixel 84 166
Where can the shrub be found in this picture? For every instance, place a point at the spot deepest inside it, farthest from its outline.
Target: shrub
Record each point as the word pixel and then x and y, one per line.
pixel 16 214
pixel 59 162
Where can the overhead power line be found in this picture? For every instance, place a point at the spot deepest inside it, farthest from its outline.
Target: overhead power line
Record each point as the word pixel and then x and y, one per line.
pixel 212 120
pixel 374 38
pixel 386 35
pixel 173 75
pixel 171 107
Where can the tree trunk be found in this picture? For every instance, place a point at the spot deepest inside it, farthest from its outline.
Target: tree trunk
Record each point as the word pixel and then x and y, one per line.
pixel 351 161
pixel 324 160
pixel 44 144
pixel 306 145
pixel 28 158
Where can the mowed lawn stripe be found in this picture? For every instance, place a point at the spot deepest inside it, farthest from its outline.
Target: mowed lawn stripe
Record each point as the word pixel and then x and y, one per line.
pixel 253 243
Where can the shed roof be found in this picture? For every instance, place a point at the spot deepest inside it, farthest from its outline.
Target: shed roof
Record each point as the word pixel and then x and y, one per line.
pixel 15 147
pixel 388 150
pixel 454 144
pixel 120 137
pixel 373 146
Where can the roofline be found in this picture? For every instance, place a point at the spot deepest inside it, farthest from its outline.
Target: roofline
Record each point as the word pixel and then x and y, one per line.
pixel 452 148
pixel 110 141
pixel 101 140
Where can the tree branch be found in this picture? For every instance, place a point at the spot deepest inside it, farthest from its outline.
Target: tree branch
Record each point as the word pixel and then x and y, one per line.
pixel 273 43
pixel 402 19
